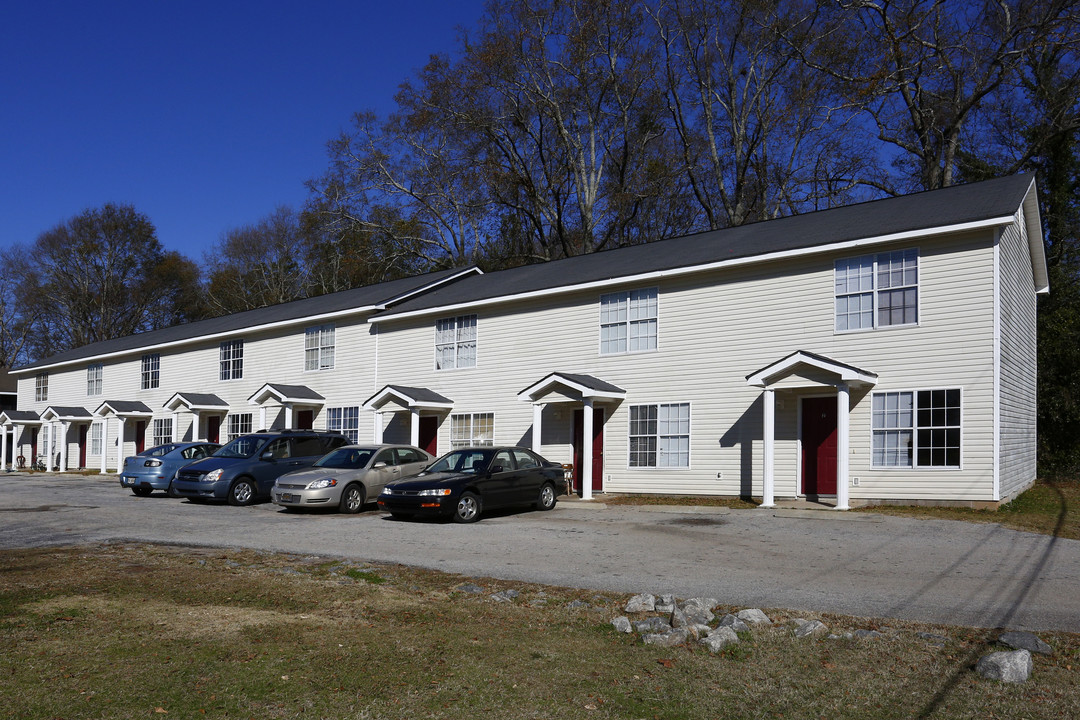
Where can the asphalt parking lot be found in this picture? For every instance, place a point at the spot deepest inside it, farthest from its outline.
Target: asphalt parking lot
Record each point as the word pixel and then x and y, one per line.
pixel 824 561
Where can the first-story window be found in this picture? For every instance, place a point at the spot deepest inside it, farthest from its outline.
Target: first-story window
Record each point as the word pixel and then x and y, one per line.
pixel 918 428
pixel 41 387
pixel 151 371
pixel 239 424
pixel 472 429
pixel 660 435
pixel 95 439
pixel 345 420
pixel 93 379
pixel 231 360
pixel 162 431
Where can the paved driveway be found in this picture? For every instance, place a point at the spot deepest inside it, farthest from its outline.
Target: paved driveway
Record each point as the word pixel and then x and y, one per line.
pixel 857 564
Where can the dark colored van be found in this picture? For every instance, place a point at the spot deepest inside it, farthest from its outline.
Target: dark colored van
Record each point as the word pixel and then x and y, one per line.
pixel 244 470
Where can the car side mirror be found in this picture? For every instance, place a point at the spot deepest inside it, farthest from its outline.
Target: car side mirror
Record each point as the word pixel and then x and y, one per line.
pixel 378 465
pixel 495 469
pixel 267 456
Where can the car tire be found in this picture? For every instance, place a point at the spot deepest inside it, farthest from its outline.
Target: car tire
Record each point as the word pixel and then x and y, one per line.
pixel 546 499
pixel 468 508
pixel 242 492
pixel 352 499
pixel 142 491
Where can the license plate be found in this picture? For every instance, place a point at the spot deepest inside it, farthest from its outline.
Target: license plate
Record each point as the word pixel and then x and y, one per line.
pixel 288 497
pixel 129 480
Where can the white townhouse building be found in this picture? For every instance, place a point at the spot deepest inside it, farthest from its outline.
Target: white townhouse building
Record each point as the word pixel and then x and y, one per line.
pixel 879 352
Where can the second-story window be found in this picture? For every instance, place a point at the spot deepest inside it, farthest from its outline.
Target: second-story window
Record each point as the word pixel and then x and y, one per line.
pixel 875 291
pixel 455 342
pixel 231 360
pixel 319 348
pixel 151 368
pixel 93 379
pixel 41 387
pixel 628 321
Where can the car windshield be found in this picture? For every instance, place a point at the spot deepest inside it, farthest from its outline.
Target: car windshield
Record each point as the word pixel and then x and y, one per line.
pixel 159 450
pixel 471 461
pixel 346 457
pixel 242 447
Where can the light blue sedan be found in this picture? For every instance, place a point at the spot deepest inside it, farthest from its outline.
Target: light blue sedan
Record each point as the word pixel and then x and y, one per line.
pixel 154 468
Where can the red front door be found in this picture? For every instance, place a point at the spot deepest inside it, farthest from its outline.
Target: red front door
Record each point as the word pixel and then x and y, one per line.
pixel 82 445
pixel 819 446
pixel 429 434
pixel 140 436
pixel 305 419
pixel 213 428
pixel 597 449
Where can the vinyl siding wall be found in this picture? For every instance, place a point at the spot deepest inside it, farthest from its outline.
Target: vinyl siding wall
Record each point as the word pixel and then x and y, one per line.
pixel 714 329
pixel 1018 382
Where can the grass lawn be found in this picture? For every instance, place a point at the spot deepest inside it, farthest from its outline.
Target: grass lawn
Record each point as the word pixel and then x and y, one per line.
pixel 128 631
pixel 1049 508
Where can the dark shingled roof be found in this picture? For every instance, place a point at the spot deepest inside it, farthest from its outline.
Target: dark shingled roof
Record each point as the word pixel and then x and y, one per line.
pixel 921 211
pixel 371 296
pixel 202 399
pixel 290 391
pixel 125 406
pixel 20 416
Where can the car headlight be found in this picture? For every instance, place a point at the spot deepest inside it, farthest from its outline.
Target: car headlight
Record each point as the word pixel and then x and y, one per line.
pixel 387 491
pixel 152 463
pixel 213 475
pixel 322 483
pixel 435 491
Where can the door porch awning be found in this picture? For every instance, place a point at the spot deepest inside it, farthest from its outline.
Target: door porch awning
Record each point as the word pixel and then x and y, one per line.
pixel 56 413
pixel 810 369
pixel 19 417
pixel 124 409
pixel 196 402
pixel 287 395
pixel 571 387
pixel 409 398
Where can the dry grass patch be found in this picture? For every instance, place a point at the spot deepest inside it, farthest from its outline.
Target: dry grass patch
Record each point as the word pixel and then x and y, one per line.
pixel 144 631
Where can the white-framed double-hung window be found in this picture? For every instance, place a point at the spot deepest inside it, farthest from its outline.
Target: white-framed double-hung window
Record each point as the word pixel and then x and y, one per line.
pixel 162 431
pixel 875 291
pixel 41 387
pixel 95 439
pixel 319 348
pixel 628 321
pixel 345 420
pixel 231 360
pixel 455 342
pixel 472 429
pixel 917 429
pixel 660 435
pixel 93 379
pixel 237 425
pixel 150 377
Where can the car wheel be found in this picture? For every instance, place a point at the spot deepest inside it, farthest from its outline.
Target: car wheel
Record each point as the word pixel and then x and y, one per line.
pixel 142 491
pixel 546 500
pixel 352 499
pixel 468 508
pixel 242 492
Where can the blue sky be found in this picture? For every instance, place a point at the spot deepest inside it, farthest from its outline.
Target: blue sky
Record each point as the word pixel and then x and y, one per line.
pixel 204 116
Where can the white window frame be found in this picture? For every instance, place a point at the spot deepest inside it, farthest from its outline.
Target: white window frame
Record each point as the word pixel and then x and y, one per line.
pixel 467 430
pixel 630 321
pixel 93 379
pixel 319 348
pixel 237 424
pixel 95 439
pixel 162 431
pixel 660 451
pixel 41 387
pixel 150 372
pixel 865 280
pixel 345 420
pixel 231 360
pixel 456 342
pixel 917 429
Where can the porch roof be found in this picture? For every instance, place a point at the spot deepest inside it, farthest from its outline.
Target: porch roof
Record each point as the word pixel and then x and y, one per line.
pixel 196 401
pixel 410 397
pixel 124 409
pixel 586 385
pixel 19 417
pixel 294 394
pixel 785 366
pixel 68 413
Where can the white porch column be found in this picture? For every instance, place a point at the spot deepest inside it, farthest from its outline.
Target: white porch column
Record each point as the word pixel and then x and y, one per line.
pixel 120 443
pixel 3 447
pixel 175 424
pixel 288 416
pixel 377 435
pixel 414 427
pixel 262 417
pixel 105 445
pixel 64 426
pixel 50 442
pixel 196 429
pixel 538 412
pixel 586 451
pixel 842 446
pixel 16 440
pixel 768 397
